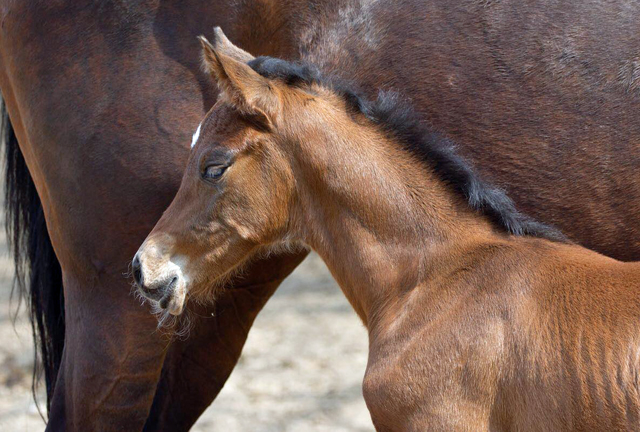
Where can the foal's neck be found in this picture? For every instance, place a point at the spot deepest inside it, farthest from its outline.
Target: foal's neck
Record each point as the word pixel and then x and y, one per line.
pixel 379 218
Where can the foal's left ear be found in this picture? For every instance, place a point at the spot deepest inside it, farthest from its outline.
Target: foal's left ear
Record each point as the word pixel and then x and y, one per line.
pixel 248 91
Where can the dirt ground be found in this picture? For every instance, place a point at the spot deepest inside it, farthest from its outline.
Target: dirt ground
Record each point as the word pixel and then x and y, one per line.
pixel 301 369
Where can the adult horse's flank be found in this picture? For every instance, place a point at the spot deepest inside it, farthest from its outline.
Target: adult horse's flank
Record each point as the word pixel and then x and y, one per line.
pixel 104 98
pixel 479 318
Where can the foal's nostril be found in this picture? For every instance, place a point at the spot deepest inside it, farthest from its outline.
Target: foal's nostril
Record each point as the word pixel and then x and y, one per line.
pixel 164 301
pixel 136 266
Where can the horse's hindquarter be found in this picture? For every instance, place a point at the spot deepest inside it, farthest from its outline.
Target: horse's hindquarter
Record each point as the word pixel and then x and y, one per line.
pixel 82 101
pixel 104 98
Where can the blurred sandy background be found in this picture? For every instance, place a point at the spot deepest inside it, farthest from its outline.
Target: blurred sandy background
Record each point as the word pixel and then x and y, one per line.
pixel 301 369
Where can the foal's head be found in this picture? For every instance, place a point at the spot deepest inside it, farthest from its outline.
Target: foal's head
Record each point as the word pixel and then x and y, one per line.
pixel 239 194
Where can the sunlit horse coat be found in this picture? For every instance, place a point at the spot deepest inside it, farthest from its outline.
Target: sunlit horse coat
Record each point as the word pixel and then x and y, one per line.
pixel 104 98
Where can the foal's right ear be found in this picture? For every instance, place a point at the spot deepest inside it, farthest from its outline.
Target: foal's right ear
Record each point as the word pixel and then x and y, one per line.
pixel 248 91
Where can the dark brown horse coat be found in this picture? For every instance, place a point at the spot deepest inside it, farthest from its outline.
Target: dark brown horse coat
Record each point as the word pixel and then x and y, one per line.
pixel 104 96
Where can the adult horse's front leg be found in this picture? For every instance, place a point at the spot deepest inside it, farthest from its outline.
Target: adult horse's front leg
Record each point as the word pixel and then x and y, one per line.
pixel 111 360
pixel 197 367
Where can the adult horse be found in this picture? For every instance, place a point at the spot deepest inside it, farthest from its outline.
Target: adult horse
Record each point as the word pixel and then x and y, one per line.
pixel 104 97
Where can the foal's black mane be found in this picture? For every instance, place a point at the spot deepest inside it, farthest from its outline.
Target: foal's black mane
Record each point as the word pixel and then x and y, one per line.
pixel 401 121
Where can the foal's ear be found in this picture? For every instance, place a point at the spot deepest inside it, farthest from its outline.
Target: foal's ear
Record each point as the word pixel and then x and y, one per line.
pixel 247 90
pixel 225 46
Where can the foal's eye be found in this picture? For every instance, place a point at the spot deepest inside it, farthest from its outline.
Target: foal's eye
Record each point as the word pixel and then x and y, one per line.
pixel 213 172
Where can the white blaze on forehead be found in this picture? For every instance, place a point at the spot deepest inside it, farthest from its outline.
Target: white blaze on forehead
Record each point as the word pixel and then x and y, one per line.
pixel 196 135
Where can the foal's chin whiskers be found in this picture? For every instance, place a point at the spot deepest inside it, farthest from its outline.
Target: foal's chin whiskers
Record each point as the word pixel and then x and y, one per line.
pixel 177 327
pixel 129 273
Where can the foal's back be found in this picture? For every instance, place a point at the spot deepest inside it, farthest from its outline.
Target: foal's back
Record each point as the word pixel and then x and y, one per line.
pixel 524 334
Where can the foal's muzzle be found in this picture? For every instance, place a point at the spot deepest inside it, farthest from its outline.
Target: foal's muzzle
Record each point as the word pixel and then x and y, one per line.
pixel 162 284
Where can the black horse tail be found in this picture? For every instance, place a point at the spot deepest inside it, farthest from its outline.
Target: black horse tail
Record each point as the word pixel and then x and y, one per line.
pixel 38 276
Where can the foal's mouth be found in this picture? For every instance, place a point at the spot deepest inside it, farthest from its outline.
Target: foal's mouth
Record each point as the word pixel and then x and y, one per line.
pixel 161 295
pixel 165 297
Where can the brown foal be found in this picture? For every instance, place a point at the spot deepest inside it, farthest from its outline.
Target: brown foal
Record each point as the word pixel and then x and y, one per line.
pixel 479 318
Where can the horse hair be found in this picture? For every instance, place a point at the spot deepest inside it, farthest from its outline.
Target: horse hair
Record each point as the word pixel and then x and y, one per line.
pixel 399 120
pixel 38 276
